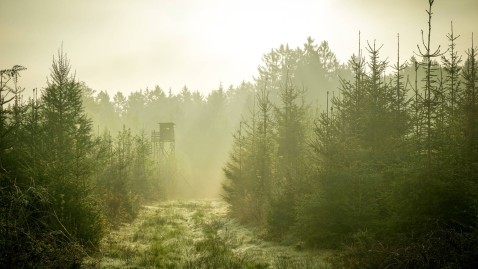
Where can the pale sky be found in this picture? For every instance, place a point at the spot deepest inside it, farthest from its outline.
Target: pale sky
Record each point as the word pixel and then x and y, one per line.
pixel 127 45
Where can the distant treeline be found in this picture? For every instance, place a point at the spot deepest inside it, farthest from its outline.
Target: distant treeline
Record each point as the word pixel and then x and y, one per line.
pixel 203 125
pixel 387 174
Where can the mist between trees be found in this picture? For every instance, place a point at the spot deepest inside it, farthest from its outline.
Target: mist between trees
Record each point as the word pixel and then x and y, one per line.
pixel 380 166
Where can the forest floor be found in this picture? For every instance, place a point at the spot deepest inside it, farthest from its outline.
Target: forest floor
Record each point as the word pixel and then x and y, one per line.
pixel 195 234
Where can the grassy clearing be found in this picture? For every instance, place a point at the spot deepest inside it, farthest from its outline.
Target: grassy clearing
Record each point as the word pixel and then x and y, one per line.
pixel 194 234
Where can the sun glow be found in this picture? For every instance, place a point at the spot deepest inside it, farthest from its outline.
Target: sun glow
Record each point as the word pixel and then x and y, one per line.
pixel 130 45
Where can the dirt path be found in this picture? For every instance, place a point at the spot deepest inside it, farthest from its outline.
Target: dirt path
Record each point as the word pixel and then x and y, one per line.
pixel 194 234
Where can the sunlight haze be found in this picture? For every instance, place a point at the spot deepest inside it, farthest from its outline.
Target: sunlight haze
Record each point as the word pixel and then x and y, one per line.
pixel 130 45
pixel 238 134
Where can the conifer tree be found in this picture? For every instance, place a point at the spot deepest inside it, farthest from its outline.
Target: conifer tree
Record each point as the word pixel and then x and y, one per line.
pixel 265 151
pixel 250 170
pixel 431 93
pixel 452 67
pixel 470 113
pixel 291 135
pixel 66 155
pixel 240 174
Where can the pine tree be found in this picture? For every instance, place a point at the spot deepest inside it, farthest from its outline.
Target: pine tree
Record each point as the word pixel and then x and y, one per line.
pixel 8 93
pixel 264 154
pixel 66 155
pixel 432 92
pixel 251 169
pixel 452 67
pixel 291 136
pixel 470 113
pixel 240 175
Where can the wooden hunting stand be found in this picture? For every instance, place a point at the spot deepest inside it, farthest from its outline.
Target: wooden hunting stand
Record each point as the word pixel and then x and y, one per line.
pixel 163 149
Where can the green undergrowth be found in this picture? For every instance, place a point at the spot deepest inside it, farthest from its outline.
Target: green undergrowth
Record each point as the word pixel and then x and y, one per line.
pixel 194 234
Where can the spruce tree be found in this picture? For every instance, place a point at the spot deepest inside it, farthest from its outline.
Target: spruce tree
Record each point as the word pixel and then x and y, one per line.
pixel 470 113
pixel 431 92
pixel 67 163
pixel 291 138
pixel 264 153
pixel 451 65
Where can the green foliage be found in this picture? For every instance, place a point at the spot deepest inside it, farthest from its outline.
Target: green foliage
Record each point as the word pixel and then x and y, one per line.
pixel 58 183
pixel 216 250
pixel 291 124
pixel 195 234
pixel 388 175
pixel 354 149
pixel 252 166
pixel 268 165
pixel 66 156
pixel 285 262
pixel 36 230
pixel 125 175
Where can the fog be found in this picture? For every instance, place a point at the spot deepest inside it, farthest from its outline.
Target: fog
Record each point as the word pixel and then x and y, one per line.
pixel 130 45
pixel 251 134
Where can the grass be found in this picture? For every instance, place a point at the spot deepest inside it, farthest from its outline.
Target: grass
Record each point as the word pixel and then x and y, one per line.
pixel 194 234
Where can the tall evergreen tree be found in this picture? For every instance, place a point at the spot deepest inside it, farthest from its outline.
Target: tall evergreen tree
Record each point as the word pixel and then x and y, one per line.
pixel 291 137
pixel 470 113
pixel 431 91
pixel 451 65
pixel 66 157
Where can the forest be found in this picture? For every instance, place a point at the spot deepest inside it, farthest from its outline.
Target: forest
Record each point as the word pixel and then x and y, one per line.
pixel 371 161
